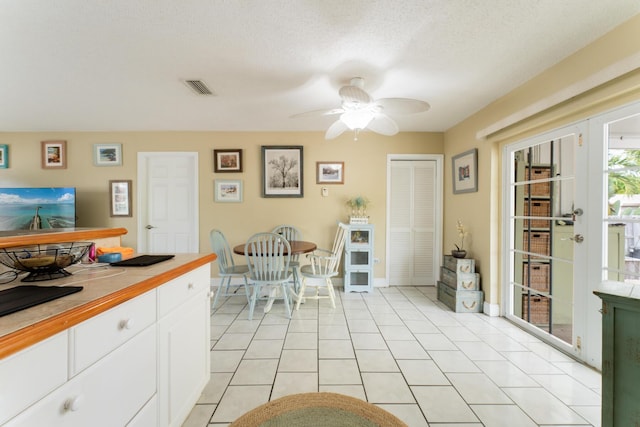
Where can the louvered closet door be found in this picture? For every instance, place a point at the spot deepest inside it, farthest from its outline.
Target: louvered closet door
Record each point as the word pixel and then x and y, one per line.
pixel 412 223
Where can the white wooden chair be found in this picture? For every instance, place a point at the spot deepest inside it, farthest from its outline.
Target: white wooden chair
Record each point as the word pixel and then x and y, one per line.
pixel 324 266
pixel 268 257
pixel 291 233
pixel 227 269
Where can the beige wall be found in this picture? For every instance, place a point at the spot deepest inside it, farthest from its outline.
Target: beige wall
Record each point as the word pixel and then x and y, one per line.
pixel 481 210
pixel 365 174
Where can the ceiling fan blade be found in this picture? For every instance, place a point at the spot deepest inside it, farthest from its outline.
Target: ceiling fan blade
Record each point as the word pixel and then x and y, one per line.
pixel 317 113
pixel 335 130
pixel 402 105
pixel 383 125
pixel 354 95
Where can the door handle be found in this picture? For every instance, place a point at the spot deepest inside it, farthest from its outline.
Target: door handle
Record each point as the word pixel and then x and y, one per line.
pixel 149 227
pixel 578 238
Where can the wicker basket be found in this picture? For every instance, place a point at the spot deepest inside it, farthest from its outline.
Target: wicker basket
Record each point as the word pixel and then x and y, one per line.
pixel 536 276
pixel 541 208
pixel 539 242
pixel 539 309
pixel 539 188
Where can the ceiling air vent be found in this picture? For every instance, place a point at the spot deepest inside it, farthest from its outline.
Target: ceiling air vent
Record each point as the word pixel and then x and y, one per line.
pixel 199 87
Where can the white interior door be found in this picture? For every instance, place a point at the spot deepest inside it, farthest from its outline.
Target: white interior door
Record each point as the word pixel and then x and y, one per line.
pixel 414 218
pixel 168 201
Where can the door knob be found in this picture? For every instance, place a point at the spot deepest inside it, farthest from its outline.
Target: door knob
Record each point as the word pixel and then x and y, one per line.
pixel 578 212
pixel 149 227
pixel 578 238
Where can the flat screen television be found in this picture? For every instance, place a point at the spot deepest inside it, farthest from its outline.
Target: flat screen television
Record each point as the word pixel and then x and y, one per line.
pixel 33 208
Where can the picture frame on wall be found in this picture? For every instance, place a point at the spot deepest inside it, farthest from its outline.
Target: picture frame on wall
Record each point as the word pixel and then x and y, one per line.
pixel 464 168
pixel 120 198
pixel 227 160
pixel 329 172
pixel 4 156
pixel 228 190
pixel 282 171
pixel 54 154
pixel 107 154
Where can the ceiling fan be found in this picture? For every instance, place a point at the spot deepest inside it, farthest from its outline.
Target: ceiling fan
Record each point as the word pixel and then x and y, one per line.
pixel 358 111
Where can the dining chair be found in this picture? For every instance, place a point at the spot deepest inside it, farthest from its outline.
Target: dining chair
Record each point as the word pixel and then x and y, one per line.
pixel 227 268
pixel 291 233
pixel 268 257
pixel 324 266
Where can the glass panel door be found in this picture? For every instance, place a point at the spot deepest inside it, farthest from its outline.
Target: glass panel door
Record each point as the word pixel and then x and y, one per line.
pixel 545 232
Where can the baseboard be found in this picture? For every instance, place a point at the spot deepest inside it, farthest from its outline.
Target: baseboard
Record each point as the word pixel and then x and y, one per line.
pixel 492 310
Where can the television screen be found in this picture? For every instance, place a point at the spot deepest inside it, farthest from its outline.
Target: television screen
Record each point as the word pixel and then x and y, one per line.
pixel 37 208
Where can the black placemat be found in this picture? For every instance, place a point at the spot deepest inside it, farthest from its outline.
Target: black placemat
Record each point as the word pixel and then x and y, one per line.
pixel 142 260
pixel 25 296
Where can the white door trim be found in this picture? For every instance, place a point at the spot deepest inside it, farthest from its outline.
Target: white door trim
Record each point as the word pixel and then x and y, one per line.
pixel 438 185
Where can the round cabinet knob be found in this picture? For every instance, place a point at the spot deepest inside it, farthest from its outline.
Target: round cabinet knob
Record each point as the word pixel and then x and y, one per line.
pixel 190 285
pixel 127 323
pixel 73 404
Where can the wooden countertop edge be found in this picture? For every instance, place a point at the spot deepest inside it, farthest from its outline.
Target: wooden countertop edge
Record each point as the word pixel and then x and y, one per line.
pixel 32 334
pixel 62 236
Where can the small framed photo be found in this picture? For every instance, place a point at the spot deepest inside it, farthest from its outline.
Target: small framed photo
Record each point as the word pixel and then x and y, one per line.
pixel 282 174
pixel 120 198
pixel 464 168
pixel 228 190
pixel 54 154
pixel 329 172
pixel 227 161
pixel 4 156
pixel 107 154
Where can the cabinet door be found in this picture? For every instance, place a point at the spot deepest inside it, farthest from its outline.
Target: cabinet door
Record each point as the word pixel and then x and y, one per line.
pixel 184 358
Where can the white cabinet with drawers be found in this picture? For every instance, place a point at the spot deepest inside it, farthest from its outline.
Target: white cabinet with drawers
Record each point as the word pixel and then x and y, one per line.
pixel 143 362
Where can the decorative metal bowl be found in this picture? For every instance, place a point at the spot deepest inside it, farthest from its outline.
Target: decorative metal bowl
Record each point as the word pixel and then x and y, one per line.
pixel 44 262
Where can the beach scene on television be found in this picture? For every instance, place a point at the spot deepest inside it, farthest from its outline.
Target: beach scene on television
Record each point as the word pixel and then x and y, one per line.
pixel 37 208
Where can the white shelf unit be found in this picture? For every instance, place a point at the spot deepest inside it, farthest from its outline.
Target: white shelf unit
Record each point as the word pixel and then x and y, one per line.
pixel 358 258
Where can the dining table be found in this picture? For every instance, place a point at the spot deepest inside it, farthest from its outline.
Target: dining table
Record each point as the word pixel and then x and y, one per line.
pixel 298 247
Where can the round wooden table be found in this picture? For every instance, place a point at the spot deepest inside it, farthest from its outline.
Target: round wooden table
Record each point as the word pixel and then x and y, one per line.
pixel 297 247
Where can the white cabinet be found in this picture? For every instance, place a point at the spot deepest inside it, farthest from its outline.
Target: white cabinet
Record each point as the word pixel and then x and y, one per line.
pixel 142 363
pixel 184 335
pixel 358 259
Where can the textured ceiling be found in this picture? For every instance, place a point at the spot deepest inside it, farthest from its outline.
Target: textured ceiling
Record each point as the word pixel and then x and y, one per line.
pixel 120 64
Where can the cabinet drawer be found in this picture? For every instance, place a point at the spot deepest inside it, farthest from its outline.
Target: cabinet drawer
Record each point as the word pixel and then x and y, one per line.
pixel 109 393
pixel 460 281
pixel 460 301
pixel 100 335
pixel 30 374
pixel 355 258
pixel 179 290
pixel 460 265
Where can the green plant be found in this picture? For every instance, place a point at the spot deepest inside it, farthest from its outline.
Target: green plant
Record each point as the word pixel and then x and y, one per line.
pixel 358 205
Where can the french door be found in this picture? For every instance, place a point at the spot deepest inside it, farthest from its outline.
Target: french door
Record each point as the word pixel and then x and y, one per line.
pixel 572 220
pixel 545 203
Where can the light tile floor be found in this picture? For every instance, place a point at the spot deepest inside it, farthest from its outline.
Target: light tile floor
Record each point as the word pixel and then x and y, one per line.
pixel 402 350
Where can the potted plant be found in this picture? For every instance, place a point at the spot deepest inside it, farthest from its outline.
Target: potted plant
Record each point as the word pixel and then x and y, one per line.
pixel 459 251
pixel 358 214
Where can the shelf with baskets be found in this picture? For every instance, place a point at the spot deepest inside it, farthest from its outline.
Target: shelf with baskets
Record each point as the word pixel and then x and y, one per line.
pixel 358 258
pixel 534 202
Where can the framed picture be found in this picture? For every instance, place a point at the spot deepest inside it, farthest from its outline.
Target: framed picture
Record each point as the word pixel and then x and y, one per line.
pixel 464 168
pixel 282 174
pixel 329 172
pixel 4 156
pixel 54 154
pixel 228 190
pixel 107 154
pixel 120 198
pixel 227 161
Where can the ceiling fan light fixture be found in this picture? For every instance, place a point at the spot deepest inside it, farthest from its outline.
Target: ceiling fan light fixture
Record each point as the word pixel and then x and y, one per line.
pixel 358 119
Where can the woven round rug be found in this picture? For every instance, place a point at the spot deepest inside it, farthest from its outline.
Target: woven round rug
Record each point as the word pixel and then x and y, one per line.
pixel 317 410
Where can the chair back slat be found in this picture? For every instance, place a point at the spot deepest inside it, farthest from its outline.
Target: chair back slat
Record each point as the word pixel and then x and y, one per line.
pixel 290 233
